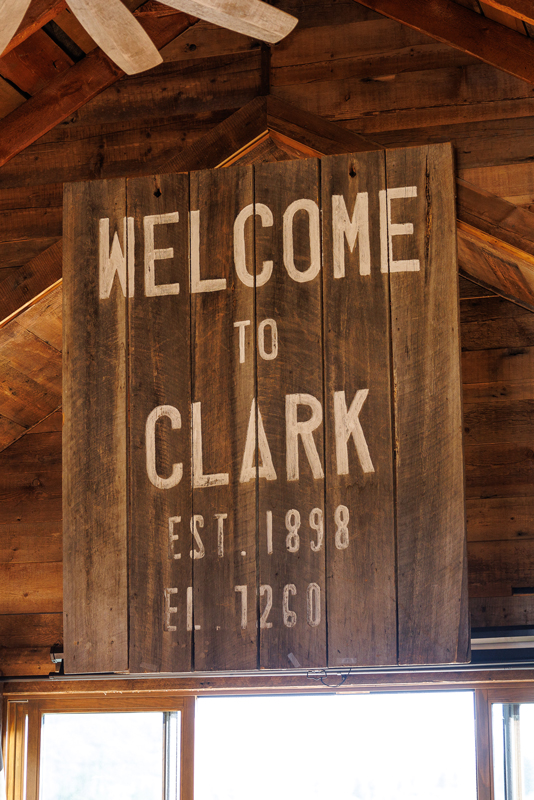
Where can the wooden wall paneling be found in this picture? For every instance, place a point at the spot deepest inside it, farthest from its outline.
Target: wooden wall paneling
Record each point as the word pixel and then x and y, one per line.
pixel 504 470
pixel 30 280
pixel 432 614
pixel 224 496
pixel 507 565
pixel 30 588
pixel 95 446
pixel 31 630
pixel 498 518
pixel 461 28
pixel 159 377
pixel 27 542
pixel 497 611
pixel 293 574
pixel 361 581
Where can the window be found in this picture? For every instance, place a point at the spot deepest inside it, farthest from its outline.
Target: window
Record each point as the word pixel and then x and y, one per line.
pixel 361 744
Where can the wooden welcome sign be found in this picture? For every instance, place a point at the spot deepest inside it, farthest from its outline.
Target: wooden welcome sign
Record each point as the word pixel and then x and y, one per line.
pixel 262 443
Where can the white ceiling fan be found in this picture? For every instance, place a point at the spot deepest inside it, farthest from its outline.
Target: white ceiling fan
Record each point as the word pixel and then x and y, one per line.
pixel 114 28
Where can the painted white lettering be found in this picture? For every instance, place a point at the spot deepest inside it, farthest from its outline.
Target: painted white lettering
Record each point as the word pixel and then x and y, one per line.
pixel 266 216
pixel 347 423
pixel 116 261
pixel 241 325
pixel 189 608
pixel 199 284
pixel 266 590
pixel 167 594
pixel 292 526
pixel 317 524
pixel 294 429
pixel 199 479
pixel 248 469
pixel 313 604
pixel 197 519
pixel 173 537
pixel 150 445
pixel 220 533
pixel 349 229
pixel 341 518
pixel 269 524
pixel 152 255
pixel 271 324
pixel 290 618
pixel 389 229
pixel 312 210
pixel 242 590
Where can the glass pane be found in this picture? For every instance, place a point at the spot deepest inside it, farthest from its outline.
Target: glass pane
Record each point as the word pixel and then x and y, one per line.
pixel 105 756
pixel 342 747
pixel 513 751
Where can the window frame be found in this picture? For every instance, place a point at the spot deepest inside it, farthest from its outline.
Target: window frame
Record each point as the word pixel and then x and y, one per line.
pixel 22 736
pixel 23 710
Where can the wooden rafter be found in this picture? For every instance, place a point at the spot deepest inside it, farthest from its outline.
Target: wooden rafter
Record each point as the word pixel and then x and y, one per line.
pixel 39 13
pixel 520 9
pixel 75 87
pixel 465 30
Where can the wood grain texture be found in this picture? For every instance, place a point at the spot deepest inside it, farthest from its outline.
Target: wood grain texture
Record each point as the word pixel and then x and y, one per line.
pixel 499 518
pixel 38 14
pixel 361 581
pixel 502 266
pixel 487 612
pixel 25 661
pixel 298 369
pixel 34 63
pixel 68 92
pixel 160 374
pixel 30 588
pixel 507 564
pixel 95 445
pixel 433 625
pixel 31 630
pixel 29 542
pixel 224 387
pixel 465 30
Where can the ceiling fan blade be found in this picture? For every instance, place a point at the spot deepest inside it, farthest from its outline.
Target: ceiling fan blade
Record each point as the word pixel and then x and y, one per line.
pixel 250 17
pixel 118 33
pixel 11 14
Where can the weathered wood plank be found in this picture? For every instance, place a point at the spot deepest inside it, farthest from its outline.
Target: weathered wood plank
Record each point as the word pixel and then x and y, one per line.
pixel 31 630
pixel 23 400
pixel 489 612
pixel 503 180
pixel 497 470
pixel 34 451
pixel 508 563
pixel 38 14
pixel 31 497
pixel 360 551
pixel 292 573
pixel 508 421
pixel 416 99
pixel 510 333
pixel 23 542
pixel 465 30
pixel 224 577
pixel 30 280
pixel 9 431
pixel 25 661
pixel 432 620
pixel 34 63
pixel 30 588
pixel 498 518
pixel 44 318
pixel 21 225
pixel 495 216
pixel 95 446
pixel 498 264
pixel 519 9
pixel 68 92
pixel 508 365
pixel 160 370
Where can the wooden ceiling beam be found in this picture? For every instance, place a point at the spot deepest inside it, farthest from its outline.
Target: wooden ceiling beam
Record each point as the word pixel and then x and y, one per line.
pixel 465 30
pixel 75 87
pixel 39 13
pixel 520 9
